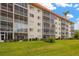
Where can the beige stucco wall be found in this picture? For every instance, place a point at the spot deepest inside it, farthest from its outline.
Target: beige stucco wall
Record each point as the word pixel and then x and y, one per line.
pixel 69 29
pixel 57 26
pixel 32 23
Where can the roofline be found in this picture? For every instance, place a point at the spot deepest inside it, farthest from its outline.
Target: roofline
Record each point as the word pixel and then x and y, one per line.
pixel 46 9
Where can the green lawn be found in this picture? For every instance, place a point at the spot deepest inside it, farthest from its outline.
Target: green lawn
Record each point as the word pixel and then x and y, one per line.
pixel 40 48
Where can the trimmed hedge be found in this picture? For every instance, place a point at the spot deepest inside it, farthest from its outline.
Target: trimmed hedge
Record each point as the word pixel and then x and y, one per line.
pixel 49 40
pixel 25 39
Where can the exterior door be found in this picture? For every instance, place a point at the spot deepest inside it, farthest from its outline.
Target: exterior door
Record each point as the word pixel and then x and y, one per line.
pixel 3 37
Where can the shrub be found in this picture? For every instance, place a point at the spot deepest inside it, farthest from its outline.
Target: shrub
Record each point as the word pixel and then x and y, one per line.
pixel 25 39
pixel 34 39
pixel 44 39
pixel 30 39
pixel 5 40
pixel 14 40
pixel 10 40
pixel 41 39
pixel 70 38
pixel 51 40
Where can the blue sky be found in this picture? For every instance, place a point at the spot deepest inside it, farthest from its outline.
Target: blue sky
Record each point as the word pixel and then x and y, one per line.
pixel 73 9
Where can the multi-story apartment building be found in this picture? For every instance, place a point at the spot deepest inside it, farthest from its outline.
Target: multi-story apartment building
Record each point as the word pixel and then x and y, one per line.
pixel 24 21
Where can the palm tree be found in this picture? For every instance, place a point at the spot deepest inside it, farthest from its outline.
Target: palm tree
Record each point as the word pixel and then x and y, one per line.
pixel 65 13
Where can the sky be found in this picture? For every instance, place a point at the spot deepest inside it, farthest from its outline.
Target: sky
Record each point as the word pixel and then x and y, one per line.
pixel 59 8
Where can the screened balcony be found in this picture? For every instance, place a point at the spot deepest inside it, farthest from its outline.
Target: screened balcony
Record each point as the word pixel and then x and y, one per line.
pixel 4 6
pixel 6 16
pixel 6 26
pixel 22 4
pixel 21 23
pixel 45 13
pixel 20 11
pixel 46 25
pixel 46 19
pixel 10 7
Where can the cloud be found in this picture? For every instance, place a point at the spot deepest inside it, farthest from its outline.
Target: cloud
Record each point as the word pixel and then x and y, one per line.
pixel 77 9
pixel 77 19
pixel 70 16
pixel 64 4
pixel 76 5
pixel 49 5
pixel 76 26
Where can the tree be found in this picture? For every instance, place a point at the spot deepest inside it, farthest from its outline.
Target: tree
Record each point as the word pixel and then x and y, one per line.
pixel 65 13
pixel 76 35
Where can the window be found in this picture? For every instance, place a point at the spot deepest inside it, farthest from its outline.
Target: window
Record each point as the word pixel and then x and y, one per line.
pixel 38 17
pixel 31 29
pixel 39 24
pixel 32 15
pixel 38 10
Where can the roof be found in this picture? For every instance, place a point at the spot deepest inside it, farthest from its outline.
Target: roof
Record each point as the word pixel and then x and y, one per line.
pixel 46 9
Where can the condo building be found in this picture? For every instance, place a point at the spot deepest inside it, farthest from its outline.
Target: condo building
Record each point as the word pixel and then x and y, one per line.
pixel 32 20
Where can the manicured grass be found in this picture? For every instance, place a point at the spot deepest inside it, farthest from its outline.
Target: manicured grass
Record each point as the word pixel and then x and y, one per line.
pixel 40 48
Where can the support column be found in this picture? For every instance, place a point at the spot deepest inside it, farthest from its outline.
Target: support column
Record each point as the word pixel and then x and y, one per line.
pixel 13 21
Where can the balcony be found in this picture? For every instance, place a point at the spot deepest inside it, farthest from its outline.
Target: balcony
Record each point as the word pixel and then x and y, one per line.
pixel 10 7
pixel 52 32
pixel 20 11
pixel 10 19
pixel 21 21
pixel 52 26
pixel 21 30
pixel 23 5
pixel 6 29
pixel 2 7
pixel 3 18
pixel 46 20
pixel 47 14
pixel 3 28
pixel 46 33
